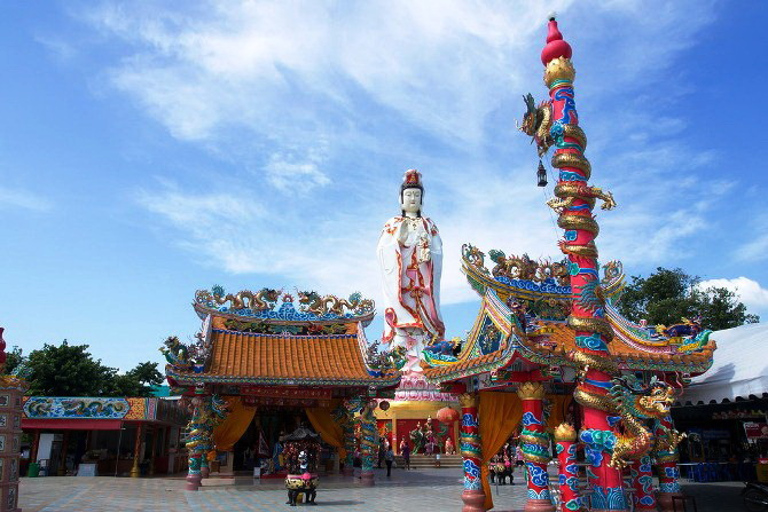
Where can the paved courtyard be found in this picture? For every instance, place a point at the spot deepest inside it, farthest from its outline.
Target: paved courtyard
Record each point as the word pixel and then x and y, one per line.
pixel 422 490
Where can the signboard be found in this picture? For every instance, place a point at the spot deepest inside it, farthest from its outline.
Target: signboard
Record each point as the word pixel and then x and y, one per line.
pixel 253 401
pixel 283 392
pixel 86 470
pixel 755 430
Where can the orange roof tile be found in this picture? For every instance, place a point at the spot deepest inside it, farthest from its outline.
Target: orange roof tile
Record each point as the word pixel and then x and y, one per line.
pixel 240 357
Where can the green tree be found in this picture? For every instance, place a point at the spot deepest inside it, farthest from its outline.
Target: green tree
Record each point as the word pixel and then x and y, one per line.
pixel 13 359
pixel 135 382
pixel 70 370
pixel 668 295
pixel 66 370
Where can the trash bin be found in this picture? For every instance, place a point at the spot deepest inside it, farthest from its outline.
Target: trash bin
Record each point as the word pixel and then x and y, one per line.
pixel 34 469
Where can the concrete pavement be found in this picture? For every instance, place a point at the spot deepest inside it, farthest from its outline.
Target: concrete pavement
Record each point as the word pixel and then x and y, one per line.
pixel 430 490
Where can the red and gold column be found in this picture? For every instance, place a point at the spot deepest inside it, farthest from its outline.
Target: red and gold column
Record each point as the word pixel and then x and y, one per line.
pixel 568 472
pixel 535 445
pixel 556 123
pixel 642 481
pixel 473 495
pixel 135 471
pixel 666 463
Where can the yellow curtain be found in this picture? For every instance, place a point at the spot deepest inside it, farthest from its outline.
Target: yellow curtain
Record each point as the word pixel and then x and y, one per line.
pixel 228 432
pixel 499 415
pixel 326 426
pixel 560 404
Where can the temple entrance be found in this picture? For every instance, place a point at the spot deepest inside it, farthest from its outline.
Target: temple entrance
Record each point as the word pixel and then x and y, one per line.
pixel 261 440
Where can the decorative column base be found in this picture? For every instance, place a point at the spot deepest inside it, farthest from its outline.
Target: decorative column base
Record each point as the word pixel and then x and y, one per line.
pixel 664 500
pixel 193 482
pixel 474 500
pixel 366 479
pixel 135 472
pixel 539 506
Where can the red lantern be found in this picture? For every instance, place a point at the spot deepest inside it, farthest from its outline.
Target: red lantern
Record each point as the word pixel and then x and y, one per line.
pixel 383 405
pixel 447 415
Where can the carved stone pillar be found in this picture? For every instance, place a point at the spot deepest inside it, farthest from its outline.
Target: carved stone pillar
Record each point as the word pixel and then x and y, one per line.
pixel 535 446
pixel 565 439
pixel 471 451
pixel 11 391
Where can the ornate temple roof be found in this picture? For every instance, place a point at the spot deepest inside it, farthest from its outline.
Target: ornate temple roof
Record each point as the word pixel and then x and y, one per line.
pixel 247 339
pixel 539 290
pixel 285 359
pixel 262 306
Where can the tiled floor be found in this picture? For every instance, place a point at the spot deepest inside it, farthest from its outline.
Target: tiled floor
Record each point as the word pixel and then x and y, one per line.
pixel 427 490
pixel 421 490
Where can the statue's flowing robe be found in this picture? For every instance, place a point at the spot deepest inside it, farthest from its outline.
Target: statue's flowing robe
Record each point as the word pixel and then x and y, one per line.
pixel 411 285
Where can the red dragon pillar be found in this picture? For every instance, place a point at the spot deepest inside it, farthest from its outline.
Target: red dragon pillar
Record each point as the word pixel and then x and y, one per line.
pixel 568 472
pixel 556 123
pixel 666 463
pixel 642 481
pixel 473 495
pixel 535 446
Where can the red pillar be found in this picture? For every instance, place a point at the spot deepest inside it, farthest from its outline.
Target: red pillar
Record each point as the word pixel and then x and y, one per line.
pixel 568 471
pixel 666 466
pixel 574 204
pixel 471 451
pixel 62 470
pixel 535 446
pixel 35 447
pixel 642 481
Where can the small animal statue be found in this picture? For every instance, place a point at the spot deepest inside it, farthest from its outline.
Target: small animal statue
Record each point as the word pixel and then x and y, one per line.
pixel 498 472
pixel 304 482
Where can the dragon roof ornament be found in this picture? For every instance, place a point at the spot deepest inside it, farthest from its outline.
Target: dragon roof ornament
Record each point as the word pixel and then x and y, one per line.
pixel 523 277
pixel 274 306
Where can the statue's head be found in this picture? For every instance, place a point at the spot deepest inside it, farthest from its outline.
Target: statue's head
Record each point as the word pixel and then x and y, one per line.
pixel 411 193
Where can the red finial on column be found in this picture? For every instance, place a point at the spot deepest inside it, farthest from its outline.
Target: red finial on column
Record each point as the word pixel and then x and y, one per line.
pixel 2 348
pixel 556 46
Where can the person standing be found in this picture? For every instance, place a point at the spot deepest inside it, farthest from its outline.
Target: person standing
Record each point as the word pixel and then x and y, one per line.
pixel 389 458
pixel 382 452
pixel 406 452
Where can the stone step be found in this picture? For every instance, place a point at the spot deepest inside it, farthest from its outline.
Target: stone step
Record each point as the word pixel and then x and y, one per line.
pixel 428 461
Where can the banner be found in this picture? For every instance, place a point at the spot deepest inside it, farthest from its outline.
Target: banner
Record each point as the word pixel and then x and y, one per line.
pixel 756 430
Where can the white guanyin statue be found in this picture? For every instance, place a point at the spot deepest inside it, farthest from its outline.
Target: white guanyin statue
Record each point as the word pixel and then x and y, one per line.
pixel 411 257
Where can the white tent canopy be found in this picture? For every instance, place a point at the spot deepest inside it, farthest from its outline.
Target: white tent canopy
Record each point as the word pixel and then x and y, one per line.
pixel 740 368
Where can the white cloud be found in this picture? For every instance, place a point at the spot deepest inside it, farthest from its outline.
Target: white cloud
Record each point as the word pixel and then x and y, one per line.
pixel 749 291
pixel 754 250
pixel 298 177
pixel 330 105
pixel 17 198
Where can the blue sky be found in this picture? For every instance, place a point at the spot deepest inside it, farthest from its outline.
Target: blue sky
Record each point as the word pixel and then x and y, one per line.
pixel 149 149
